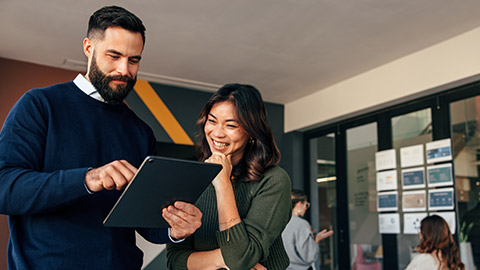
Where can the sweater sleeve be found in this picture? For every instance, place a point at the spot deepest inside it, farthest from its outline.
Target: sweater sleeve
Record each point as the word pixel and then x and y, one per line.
pixel 177 254
pixel 24 187
pixel 154 235
pixel 305 245
pixel 249 241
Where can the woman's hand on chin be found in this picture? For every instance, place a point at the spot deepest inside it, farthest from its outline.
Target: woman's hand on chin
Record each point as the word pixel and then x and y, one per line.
pixel 225 174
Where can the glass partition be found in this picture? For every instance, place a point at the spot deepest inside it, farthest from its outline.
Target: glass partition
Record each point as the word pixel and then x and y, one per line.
pixel 365 240
pixel 410 129
pixel 465 125
pixel 323 181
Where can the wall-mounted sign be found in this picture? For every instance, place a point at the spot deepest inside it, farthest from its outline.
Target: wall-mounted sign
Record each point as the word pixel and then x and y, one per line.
pixel 411 222
pixel 414 201
pixel 413 178
pixel 449 218
pixel 438 151
pixel 440 175
pixel 385 160
pixel 387 201
pixel 440 199
pixel 387 180
pixel 411 156
pixel 389 223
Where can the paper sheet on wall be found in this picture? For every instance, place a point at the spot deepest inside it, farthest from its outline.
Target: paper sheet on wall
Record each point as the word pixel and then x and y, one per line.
pixel 389 223
pixel 387 180
pixel 440 199
pixel 387 201
pixel 414 201
pixel 411 222
pixel 449 218
pixel 385 160
pixel 413 178
pixel 438 151
pixel 440 175
pixel 411 156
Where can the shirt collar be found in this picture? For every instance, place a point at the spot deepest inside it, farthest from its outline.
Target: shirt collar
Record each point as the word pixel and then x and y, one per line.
pixel 87 87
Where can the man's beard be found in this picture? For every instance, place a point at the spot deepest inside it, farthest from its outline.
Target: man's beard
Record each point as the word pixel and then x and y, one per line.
pixel 101 83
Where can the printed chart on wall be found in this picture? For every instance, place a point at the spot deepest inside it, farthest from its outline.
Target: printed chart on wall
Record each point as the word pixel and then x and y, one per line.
pixel 387 201
pixel 411 156
pixel 389 223
pixel 440 199
pixel 411 222
pixel 440 175
pixel 413 178
pixel 387 180
pixel 414 201
pixel 438 151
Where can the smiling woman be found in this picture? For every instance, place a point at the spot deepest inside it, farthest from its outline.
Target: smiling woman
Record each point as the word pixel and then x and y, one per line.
pixel 238 231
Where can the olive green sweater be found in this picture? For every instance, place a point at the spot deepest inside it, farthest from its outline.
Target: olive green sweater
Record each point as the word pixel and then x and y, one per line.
pixel 265 209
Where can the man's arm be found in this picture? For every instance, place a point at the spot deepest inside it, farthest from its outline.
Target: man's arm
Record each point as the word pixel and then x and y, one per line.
pixel 24 188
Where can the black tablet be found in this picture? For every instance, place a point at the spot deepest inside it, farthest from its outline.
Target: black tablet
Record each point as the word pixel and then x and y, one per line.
pixel 158 183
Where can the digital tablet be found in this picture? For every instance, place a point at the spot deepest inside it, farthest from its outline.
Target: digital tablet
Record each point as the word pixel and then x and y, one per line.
pixel 160 182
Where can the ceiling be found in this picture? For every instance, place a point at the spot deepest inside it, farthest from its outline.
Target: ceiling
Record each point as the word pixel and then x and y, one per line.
pixel 288 49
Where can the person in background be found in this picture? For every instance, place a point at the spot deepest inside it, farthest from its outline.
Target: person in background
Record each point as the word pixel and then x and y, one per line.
pixel 300 242
pixel 67 151
pixel 437 248
pixel 247 206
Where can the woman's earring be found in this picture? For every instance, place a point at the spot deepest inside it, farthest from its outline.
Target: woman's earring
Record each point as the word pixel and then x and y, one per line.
pixel 252 141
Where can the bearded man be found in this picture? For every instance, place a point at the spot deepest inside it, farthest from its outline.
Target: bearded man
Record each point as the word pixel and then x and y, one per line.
pixel 67 151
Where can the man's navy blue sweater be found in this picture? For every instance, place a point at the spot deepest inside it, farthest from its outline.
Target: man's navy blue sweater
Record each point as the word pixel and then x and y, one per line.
pixel 49 140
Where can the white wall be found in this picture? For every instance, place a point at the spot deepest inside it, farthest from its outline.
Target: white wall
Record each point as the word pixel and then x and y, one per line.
pixel 444 63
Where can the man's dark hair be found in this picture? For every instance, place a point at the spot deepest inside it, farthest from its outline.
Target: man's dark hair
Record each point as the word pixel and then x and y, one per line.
pixel 112 16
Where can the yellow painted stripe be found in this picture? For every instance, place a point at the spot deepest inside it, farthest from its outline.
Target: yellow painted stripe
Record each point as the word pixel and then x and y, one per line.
pixel 163 115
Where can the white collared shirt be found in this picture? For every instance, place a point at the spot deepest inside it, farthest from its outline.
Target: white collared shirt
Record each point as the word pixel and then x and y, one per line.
pixel 87 87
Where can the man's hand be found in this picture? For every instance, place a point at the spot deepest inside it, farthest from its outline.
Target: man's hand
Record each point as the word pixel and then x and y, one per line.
pixel 184 218
pixel 114 175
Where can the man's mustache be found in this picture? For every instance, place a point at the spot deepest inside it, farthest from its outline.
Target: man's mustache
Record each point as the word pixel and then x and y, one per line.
pixel 120 78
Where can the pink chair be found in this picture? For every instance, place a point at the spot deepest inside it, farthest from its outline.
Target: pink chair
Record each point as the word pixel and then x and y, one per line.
pixel 360 263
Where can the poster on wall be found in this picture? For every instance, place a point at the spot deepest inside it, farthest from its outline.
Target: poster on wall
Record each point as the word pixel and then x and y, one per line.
pixel 440 199
pixel 440 175
pixel 413 178
pixel 449 218
pixel 389 223
pixel 385 160
pixel 414 201
pixel 387 201
pixel 411 156
pixel 411 222
pixel 438 151
pixel 387 180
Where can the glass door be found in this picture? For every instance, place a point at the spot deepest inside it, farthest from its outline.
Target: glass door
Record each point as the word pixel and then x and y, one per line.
pixel 465 127
pixel 365 240
pixel 410 130
pixel 323 197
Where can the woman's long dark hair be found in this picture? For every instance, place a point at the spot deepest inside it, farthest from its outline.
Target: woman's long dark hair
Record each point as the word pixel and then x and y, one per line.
pixel 436 237
pixel 261 152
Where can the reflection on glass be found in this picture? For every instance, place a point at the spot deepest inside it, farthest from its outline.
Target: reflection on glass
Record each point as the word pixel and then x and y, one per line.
pixel 464 115
pixel 365 240
pixel 409 130
pixel 324 178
